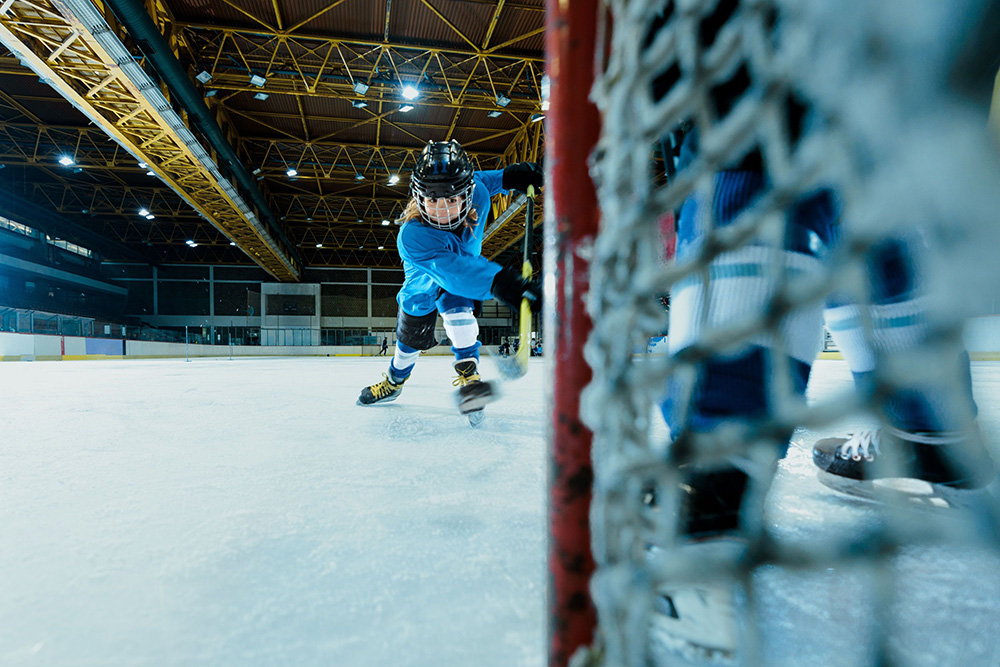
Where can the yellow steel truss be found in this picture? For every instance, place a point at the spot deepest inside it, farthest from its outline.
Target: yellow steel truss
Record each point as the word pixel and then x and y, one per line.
pixel 65 51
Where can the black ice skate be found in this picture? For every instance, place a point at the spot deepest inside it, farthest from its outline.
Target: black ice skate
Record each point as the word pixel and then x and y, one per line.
pixel 473 394
pixel 928 468
pixel 381 392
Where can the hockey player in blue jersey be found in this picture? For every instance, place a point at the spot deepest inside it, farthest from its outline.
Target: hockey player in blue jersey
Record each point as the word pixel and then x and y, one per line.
pixel 440 242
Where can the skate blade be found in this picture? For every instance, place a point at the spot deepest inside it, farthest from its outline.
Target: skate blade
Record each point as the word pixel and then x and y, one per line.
pixel 917 493
pixel 476 418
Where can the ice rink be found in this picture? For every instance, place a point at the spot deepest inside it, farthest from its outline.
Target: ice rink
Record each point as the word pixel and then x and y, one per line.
pixel 247 512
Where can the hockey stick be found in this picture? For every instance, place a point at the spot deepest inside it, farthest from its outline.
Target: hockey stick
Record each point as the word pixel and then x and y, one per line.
pixel 511 368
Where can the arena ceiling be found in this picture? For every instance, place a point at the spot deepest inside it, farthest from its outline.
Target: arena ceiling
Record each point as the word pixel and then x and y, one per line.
pixel 306 95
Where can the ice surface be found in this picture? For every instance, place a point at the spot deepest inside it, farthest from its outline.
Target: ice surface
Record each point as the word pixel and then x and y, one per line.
pixel 247 512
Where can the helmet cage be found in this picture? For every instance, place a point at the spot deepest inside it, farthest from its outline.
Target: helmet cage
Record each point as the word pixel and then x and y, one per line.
pixel 442 172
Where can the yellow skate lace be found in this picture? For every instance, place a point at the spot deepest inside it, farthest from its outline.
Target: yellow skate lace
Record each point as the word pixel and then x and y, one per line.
pixel 385 387
pixel 463 380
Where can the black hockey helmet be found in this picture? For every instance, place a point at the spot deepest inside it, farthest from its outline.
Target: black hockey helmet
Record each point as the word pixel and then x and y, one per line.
pixel 443 171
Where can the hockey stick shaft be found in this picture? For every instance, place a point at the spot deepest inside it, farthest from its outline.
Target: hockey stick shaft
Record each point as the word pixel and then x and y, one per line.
pixel 525 324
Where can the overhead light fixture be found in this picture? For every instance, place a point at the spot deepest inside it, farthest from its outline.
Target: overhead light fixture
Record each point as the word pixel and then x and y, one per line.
pixel 144 212
pixel 211 93
pixel 545 105
pixel 385 223
pixel 319 245
pixel 359 104
pixel 393 179
pixel 66 161
pixel 360 87
pixel 77 170
pixel 191 243
pixel 84 210
pixel 381 247
pixel 535 117
pixel 359 176
pixel 309 219
pixel 150 173
pixel 261 96
pixel 361 247
pixel 142 165
pixel 256 171
pixel 360 220
pixel 292 173
pixel 410 93
pixel 204 76
pixel 502 100
pixel 257 80
pixel 406 107
pixel 232 243
pixel 150 217
pixel 494 114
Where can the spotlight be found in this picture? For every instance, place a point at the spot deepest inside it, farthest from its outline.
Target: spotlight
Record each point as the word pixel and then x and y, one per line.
pixel 232 243
pixel 142 165
pixel 204 76
pixel 410 93
pixel 261 96
pixel 406 107
pixel 360 88
pixel 211 93
pixel 319 245
pixel 292 173
pixel 144 211
pixel 502 100
pixel 66 161
pixel 385 223
pixel 150 217
pixel 381 247
pixel 257 80
pixel 494 114
pixel 535 117
pixel 359 176
pixel 150 173
pixel 393 179
pixel 359 104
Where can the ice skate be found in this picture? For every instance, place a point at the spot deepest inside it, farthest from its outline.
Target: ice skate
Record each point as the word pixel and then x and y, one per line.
pixel 937 470
pixel 473 394
pixel 696 621
pixel 381 392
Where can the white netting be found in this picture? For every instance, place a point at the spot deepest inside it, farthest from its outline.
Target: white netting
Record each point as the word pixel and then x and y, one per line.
pixel 895 130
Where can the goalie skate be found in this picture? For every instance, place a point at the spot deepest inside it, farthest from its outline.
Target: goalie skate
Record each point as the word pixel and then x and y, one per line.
pixel 937 471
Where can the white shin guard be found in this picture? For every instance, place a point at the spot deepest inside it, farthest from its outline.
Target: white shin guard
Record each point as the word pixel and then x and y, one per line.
pixel 461 326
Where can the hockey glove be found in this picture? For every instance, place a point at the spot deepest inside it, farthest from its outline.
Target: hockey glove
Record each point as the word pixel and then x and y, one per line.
pixel 510 287
pixel 522 174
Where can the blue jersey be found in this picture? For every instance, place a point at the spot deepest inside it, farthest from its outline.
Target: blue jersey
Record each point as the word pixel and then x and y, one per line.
pixel 435 259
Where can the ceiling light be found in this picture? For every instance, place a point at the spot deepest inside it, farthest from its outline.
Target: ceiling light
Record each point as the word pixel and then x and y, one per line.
pixel 66 160
pixel 211 93
pixel 494 114
pixel 257 80
pixel 361 247
pixel 319 245
pixel 410 93
pixel 359 104
pixel 142 165
pixel 545 105
pixel 360 88
pixel 535 117
pixel 144 211
pixel 359 176
pixel 150 217
pixel 232 243
pixel 385 223
pixel 256 171
pixel 502 100
pixel 393 179
pixel 406 107
pixel 261 96
pixel 381 247
pixel 191 243
pixel 150 173
pixel 292 173
pixel 77 170
pixel 204 76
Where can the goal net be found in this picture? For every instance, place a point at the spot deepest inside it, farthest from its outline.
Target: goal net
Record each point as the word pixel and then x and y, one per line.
pixel 812 156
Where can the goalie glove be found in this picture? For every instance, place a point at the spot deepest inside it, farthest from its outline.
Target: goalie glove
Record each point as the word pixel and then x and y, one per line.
pixel 510 287
pixel 522 174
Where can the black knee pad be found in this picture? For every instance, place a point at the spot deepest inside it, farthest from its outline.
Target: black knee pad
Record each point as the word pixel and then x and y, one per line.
pixel 416 331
